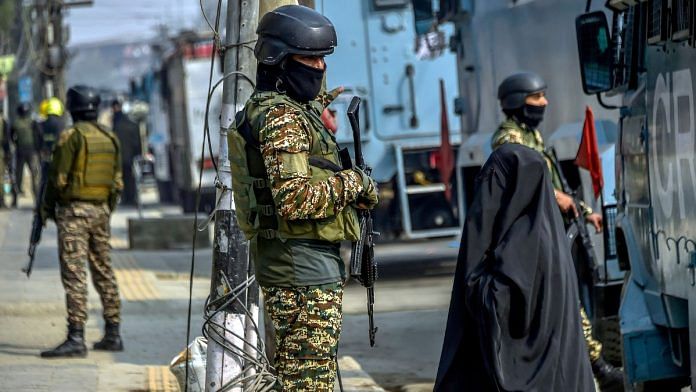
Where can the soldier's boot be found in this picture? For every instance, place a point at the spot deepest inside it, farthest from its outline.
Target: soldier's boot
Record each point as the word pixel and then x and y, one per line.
pixel 111 340
pixel 609 378
pixel 73 346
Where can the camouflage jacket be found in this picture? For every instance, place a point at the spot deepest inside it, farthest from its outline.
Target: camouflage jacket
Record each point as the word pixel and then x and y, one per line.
pixel 287 136
pixel 510 131
pixel 312 204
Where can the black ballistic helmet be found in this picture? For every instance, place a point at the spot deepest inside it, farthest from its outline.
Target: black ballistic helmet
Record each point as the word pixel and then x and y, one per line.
pixel 515 88
pixel 293 29
pixel 23 109
pixel 82 99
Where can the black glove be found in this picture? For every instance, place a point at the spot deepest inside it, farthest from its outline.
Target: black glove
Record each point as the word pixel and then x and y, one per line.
pixel 47 212
pixel 114 197
pixel 369 196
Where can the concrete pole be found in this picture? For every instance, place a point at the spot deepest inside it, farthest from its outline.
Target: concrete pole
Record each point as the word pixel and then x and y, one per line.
pixel 230 251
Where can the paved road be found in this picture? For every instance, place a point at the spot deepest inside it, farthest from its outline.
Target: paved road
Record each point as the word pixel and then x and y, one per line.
pixel 412 297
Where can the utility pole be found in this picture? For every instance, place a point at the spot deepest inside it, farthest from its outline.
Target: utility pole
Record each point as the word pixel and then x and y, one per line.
pixel 230 250
pixel 53 39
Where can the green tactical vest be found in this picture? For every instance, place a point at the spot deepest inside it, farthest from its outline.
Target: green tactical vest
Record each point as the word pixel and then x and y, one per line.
pixel 254 204
pixel 93 174
pixel 24 132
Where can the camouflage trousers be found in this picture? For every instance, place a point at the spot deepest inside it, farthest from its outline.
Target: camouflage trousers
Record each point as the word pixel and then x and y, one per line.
pixel 307 324
pixel 594 347
pixel 83 238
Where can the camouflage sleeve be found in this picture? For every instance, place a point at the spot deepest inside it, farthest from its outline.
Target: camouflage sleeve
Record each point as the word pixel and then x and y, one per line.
pixel 506 135
pixel 285 146
pixel 585 209
pixel 326 97
pixel 63 157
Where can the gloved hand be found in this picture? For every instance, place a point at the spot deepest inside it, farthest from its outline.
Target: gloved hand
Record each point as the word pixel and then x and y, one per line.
pixel 114 197
pixel 368 198
pixel 47 212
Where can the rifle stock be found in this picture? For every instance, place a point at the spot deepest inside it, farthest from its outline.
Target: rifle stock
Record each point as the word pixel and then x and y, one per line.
pixel 578 221
pixel 362 260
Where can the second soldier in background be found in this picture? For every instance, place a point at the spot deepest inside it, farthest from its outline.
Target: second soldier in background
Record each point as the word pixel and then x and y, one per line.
pixel 287 162
pixel 82 190
pixel 523 100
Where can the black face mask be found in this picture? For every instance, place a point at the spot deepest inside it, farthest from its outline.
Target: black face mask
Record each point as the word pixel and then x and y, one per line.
pixel 532 115
pixel 301 82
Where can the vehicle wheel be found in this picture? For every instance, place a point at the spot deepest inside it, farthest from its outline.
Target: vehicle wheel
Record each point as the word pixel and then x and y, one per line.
pixel 188 201
pixel 166 194
pixel 671 385
pixel 609 334
pixel 431 214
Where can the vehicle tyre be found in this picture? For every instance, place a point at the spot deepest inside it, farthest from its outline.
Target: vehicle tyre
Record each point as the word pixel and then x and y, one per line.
pixel 431 213
pixel 188 201
pixel 609 333
pixel 671 385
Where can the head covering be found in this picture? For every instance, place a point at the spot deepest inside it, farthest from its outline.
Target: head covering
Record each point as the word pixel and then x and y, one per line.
pixel 514 318
pixel 293 29
pixel 516 87
pixel 51 107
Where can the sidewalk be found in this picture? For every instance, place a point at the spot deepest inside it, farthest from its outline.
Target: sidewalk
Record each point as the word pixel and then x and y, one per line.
pixel 154 291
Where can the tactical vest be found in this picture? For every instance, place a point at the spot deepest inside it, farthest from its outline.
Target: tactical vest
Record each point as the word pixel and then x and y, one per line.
pixel 93 174
pixel 255 207
pixel 24 132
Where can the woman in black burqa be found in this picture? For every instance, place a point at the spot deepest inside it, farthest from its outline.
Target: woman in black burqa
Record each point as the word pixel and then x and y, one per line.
pixel 513 321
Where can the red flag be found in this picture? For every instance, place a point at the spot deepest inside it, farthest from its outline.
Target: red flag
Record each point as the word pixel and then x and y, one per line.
pixel 588 153
pixel 445 163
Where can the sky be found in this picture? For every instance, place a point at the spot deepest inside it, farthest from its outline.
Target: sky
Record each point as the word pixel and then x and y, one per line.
pixel 108 20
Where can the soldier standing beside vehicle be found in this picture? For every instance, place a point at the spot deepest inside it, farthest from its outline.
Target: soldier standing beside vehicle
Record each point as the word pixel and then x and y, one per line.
pixel 24 134
pixel 523 100
pixel 285 158
pixel 83 187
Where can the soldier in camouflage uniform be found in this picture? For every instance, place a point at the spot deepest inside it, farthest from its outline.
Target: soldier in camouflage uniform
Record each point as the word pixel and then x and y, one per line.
pixel 83 186
pixel 24 134
pixel 523 100
pixel 294 199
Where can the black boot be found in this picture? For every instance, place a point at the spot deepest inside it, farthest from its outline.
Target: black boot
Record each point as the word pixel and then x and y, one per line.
pixel 111 340
pixel 609 378
pixel 73 346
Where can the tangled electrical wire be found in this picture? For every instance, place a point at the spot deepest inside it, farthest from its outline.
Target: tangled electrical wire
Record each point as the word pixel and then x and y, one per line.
pixel 257 371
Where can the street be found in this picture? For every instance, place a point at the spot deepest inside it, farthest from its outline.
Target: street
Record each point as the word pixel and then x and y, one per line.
pixel 411 303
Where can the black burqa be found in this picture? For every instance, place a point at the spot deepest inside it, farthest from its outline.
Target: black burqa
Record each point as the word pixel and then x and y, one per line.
pixel 514 317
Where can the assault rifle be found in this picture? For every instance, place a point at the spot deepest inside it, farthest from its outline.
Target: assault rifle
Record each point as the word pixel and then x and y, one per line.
pixel 587 270
pixel 37 224
pixel 362 257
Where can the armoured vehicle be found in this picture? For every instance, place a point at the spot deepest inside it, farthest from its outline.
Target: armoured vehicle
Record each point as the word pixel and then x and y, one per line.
pixel 378 58
pixel 647 59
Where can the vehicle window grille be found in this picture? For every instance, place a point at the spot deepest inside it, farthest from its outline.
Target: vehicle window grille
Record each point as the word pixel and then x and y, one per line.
pixel 610 231
pixel 627 35
pixel 681 19
pixel 657 21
